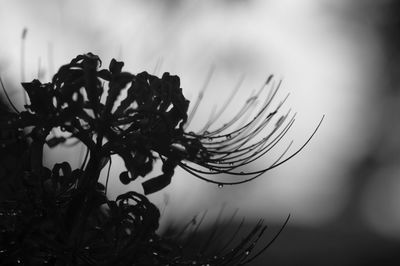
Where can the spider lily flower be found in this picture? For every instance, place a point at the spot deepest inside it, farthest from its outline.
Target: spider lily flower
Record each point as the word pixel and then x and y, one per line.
pixel 144 118
pixel 141 118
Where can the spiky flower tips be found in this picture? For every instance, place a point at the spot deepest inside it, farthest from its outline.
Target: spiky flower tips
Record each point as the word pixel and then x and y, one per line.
pixel 141 118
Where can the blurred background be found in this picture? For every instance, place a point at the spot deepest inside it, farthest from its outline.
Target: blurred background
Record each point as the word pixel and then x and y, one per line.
pixel 335 57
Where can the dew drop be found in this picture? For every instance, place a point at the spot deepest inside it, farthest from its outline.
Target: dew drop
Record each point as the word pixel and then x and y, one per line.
pixel 220 185
pixel 280 121
pixel 247 253
pixel 177 146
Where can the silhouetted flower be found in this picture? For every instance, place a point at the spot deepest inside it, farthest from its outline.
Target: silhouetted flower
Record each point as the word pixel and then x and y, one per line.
pixel 63 214
pixel 149 123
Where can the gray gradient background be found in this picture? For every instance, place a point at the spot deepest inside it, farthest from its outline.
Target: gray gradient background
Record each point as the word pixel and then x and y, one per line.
pixel 338 58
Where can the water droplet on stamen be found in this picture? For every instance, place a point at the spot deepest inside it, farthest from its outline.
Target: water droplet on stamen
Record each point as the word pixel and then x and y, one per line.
pixel 280 121
pixel 220 185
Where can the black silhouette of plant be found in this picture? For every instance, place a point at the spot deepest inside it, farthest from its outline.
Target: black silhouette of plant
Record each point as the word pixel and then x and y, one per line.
pixel 62 216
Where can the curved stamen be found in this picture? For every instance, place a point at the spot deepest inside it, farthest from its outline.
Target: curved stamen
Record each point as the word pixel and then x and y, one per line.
pixel 224 106
pixel 254 156
pixel 256 174
pixel 199 97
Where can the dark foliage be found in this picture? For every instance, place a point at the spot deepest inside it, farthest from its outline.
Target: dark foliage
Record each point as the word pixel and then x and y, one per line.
pixel 62 216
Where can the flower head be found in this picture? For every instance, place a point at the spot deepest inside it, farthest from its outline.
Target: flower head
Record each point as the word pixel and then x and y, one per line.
pixel 64 215
pixel 142 117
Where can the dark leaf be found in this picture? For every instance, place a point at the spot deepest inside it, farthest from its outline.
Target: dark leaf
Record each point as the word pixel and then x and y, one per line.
pixel 156 183
pixel 55 141
pixel 104 74
pixel 104 161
